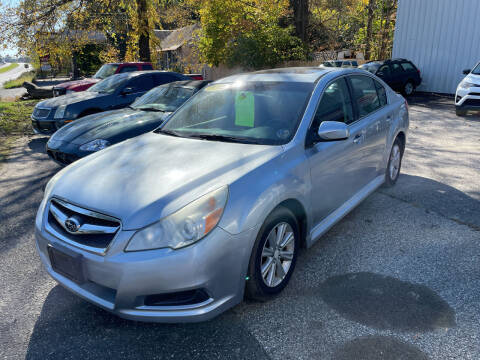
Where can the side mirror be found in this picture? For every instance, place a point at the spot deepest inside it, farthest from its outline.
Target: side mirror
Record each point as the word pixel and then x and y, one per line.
pixel 127 90
pixel 466 71
pixel 333 130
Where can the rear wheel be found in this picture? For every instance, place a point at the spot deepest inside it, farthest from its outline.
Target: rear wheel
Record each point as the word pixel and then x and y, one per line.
pixel 394 163
pixel 274 255
pixel 460 112
pixel 408 88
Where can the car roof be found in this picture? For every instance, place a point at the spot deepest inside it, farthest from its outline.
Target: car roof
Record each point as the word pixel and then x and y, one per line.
pixel 192 84
pixel 293 74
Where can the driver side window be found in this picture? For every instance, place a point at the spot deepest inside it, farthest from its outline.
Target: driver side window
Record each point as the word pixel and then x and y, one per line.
pixel 335 104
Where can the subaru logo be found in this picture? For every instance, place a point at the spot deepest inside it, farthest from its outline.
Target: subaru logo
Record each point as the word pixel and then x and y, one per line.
pixel 72 224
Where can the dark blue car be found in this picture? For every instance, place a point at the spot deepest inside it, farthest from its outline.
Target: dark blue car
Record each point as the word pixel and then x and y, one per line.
pixel 115 92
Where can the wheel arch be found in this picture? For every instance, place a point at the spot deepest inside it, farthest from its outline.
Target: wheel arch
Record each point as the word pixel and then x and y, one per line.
pixel 298 210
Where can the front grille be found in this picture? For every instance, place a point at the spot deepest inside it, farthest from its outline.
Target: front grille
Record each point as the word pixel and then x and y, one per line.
pixel 41 113
pixel 62 157
pixel 81 227
pixel 475 93
pixel 471 102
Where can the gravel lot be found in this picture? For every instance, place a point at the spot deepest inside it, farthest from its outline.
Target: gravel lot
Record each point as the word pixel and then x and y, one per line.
pixel 398 278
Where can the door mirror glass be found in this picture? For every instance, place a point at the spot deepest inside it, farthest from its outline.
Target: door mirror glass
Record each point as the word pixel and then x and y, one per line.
pixel 333 130
pixel 466 71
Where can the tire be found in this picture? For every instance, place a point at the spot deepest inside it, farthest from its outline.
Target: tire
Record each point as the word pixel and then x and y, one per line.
pixel 460 112
pixel 408 88
pixel 394 163
pixel 259 287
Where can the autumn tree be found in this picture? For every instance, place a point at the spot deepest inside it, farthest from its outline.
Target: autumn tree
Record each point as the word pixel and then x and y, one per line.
pixel 247 33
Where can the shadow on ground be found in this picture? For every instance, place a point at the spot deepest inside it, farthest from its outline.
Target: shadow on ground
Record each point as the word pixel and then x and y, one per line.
pixel 386 303
pixel 437 197
pixel 378 348
pixel 69 327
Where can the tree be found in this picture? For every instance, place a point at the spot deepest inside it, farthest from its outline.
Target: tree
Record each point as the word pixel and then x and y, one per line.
pixel 37 26
pixel 247 33
pixel 368 39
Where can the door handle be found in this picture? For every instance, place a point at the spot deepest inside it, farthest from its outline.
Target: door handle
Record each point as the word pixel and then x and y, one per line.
pixel 356 139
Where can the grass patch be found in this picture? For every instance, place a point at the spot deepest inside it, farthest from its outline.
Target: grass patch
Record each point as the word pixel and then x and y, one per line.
pixel 19 81
pixel 14 122
pixel 15 117
pixel 8 68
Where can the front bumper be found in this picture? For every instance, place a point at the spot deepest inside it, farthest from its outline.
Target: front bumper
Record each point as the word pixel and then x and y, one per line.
pixel 468 99
pixel 64 153
pixel 44 126
pixel 120 281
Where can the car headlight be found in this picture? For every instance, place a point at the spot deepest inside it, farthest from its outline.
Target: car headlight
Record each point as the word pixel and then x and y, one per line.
pixel 466 85
pixel 95 145
pixel 184 227
pixel 60 113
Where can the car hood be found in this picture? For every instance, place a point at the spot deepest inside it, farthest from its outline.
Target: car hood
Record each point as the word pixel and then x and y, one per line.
pixel 144 179
pixel 68 99
pixel 473 78
pixel 105 125
pixel 74 83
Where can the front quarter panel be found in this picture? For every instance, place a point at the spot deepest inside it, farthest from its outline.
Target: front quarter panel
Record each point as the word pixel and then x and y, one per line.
pixel 254 196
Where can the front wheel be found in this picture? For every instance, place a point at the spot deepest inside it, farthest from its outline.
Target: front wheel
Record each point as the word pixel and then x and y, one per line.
pixel 394 163
pixel 274 255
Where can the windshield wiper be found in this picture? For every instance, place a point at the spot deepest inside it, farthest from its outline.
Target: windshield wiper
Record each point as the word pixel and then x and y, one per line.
pixel 169 132
pixel 225 138
pixel 148 109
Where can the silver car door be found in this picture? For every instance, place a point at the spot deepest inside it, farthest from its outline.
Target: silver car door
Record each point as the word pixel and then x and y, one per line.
pixel 332 166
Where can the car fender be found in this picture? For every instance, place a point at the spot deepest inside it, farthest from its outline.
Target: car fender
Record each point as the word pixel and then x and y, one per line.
pixel 255 195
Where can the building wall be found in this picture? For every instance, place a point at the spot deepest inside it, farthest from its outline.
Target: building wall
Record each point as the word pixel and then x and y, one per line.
pixel 441 37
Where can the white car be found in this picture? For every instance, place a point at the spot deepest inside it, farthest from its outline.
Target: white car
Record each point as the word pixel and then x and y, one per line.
pixel 468 92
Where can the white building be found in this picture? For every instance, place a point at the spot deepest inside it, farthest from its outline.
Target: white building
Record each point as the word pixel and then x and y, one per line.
pixel 441 37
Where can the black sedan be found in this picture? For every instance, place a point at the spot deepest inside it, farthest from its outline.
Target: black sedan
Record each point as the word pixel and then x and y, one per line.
pixel 114 92
pixel 97 131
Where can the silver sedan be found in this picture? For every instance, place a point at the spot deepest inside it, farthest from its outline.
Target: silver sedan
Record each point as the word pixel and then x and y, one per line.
pixel 181 223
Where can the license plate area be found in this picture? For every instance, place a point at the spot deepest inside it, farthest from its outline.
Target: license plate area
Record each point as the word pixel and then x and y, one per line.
pixel 67 263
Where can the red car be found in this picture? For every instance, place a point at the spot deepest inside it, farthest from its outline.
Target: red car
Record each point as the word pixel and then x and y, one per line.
pixel 105 71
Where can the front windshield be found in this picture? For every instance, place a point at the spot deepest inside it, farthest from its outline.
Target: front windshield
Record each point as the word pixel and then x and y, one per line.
pixel 110 84
pixel 476 71
pixel 105 71
pixel 165 98
pixel 249 112
pixel 372 67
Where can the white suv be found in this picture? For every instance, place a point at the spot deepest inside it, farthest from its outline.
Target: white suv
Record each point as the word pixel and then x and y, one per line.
pixel 468 92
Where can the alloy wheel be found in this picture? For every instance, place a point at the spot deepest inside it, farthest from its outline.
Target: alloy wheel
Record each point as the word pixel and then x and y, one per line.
pixel 277 254
pixel 395 158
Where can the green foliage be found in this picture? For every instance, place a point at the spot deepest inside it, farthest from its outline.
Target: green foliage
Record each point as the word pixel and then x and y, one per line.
pixel 88 59
pixel 247 34
pixel 15 117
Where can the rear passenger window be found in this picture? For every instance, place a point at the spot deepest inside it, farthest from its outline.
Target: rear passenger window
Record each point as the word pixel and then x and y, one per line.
pixel 382 94
pixel 128 68
pixel 397 69
pixel 335 104
pixel 407 66
pixel 364 94
pixel 141 83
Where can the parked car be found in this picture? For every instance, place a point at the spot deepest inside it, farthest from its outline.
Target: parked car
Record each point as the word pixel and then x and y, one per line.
pixel 195 76
pixel 340 63
pixel 105 71
pixel 467 96
pixel 115 92
pixel 401 74
pixel 178 224
pixel 98 131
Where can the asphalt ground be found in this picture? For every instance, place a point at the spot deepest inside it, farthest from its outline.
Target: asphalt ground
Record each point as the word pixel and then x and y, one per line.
pixel 398 278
